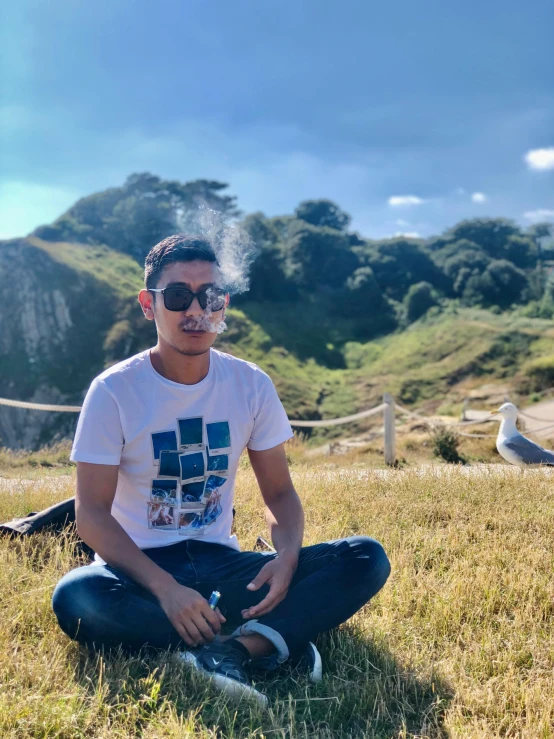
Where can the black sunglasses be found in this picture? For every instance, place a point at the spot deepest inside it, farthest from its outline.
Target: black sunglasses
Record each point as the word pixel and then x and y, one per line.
pixel 177 298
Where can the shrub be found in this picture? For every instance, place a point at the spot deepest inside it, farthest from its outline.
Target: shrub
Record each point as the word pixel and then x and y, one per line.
pixel 445 445
pixel 417 301
pixel 357 355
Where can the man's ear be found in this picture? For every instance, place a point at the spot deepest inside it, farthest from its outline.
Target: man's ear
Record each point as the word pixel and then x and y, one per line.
pixel 146 300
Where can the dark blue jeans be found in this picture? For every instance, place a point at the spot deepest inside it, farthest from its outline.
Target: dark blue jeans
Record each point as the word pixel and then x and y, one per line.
pixel 99 605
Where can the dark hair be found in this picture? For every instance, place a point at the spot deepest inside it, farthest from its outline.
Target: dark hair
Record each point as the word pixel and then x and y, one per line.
pixel 177 248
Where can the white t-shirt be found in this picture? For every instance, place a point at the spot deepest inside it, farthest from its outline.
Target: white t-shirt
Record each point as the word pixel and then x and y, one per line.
pixel 178 446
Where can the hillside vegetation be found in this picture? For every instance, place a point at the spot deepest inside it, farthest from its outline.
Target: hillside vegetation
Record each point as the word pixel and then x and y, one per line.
pixel 335 318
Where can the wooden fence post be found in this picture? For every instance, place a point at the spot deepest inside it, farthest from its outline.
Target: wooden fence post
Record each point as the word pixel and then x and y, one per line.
pixel 390 436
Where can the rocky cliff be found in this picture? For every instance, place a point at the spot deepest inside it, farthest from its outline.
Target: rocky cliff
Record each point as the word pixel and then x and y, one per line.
pixel 67 312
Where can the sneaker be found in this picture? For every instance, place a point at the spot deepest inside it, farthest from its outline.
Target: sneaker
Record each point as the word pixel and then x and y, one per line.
pixel 311 662
pixel 225 663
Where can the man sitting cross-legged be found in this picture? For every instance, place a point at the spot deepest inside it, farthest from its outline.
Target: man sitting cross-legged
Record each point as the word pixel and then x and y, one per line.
pixel 157 449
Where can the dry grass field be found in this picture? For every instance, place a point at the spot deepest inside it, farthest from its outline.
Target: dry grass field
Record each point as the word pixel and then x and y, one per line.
pixel 458 644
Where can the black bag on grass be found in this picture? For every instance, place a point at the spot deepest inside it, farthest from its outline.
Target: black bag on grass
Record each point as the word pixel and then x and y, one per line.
pixel 55 519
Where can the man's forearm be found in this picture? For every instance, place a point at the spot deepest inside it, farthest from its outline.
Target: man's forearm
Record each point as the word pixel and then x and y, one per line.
pixel 285 519
pixel 99 529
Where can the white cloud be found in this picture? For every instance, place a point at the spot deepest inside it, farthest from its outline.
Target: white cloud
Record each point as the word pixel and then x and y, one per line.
pixel 479 197
pixel 540 158
pixel 402 222
pixel 401 201
pixel 541 214
pixel 408 234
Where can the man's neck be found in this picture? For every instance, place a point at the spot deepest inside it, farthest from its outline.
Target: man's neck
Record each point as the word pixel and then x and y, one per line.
pixel 177 367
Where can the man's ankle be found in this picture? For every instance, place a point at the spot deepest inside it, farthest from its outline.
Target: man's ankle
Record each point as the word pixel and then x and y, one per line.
pixel 257 645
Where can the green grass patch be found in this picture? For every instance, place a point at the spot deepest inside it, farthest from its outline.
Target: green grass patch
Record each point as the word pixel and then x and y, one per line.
pixel 122 273
pixel 458 643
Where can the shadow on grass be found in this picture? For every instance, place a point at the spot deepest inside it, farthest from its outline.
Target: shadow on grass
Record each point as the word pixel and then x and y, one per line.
pixel 365 692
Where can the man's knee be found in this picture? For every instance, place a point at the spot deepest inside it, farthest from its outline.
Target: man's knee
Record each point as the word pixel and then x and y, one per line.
pixel 75 601
pixel 370 558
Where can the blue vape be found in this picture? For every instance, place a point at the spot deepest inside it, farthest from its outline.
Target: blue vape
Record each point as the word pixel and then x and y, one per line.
pixel 214 599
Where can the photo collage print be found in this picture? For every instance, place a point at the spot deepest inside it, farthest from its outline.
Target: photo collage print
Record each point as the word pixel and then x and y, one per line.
pixel 193 465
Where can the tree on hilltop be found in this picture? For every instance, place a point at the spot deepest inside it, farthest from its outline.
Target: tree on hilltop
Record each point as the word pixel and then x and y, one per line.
pixel 490 234
pixel 323 213
pixel 136 216
pixel 317 256
pixel 501 284
pixel 268 281
pixel 398 263
pixel 363 301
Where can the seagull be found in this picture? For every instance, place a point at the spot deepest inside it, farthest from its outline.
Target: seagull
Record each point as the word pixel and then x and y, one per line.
pixel 513 446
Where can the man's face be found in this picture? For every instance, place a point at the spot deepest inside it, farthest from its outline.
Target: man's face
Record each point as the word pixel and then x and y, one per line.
pixel 184 331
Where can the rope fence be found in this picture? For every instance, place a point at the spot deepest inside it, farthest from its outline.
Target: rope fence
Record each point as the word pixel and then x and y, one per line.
pixel 388 408
pixel 40 406
pixel 338 421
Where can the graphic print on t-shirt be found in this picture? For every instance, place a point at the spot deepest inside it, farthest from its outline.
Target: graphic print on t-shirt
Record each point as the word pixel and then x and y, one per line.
pixel 193 464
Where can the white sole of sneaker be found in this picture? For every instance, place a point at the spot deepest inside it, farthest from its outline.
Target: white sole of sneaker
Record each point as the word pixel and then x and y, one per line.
pixel 317 672
pixel 226 684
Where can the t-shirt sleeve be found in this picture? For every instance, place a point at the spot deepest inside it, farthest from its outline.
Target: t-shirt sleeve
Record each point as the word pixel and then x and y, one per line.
pixel 271 424
pixel 99 436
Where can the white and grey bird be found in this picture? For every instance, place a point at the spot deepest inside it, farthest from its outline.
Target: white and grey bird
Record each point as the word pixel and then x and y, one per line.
pixel 513 446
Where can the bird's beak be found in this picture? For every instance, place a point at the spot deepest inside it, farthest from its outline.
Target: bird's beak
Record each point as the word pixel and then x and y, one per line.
pixel 494 414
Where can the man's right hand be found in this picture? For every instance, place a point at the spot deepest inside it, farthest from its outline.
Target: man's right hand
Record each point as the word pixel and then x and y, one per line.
pixel 193 619
pixel 188 611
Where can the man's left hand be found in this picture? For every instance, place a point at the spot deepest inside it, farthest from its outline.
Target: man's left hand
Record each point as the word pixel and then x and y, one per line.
pixel 278 574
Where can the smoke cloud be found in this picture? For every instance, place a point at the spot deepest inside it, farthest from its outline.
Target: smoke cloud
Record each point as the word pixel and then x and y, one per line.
pixel 233 247
pixel 204 323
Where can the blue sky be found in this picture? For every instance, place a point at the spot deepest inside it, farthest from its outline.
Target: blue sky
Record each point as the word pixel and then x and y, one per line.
pixel 410 115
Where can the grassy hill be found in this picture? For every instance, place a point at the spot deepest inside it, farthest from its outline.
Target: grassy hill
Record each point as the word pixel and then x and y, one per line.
pixel 442 356
pixel 95 321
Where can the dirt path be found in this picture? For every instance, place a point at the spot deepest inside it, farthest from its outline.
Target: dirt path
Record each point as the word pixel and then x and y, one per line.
pixel 19 485
pixel 359 474
pixel 543 415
